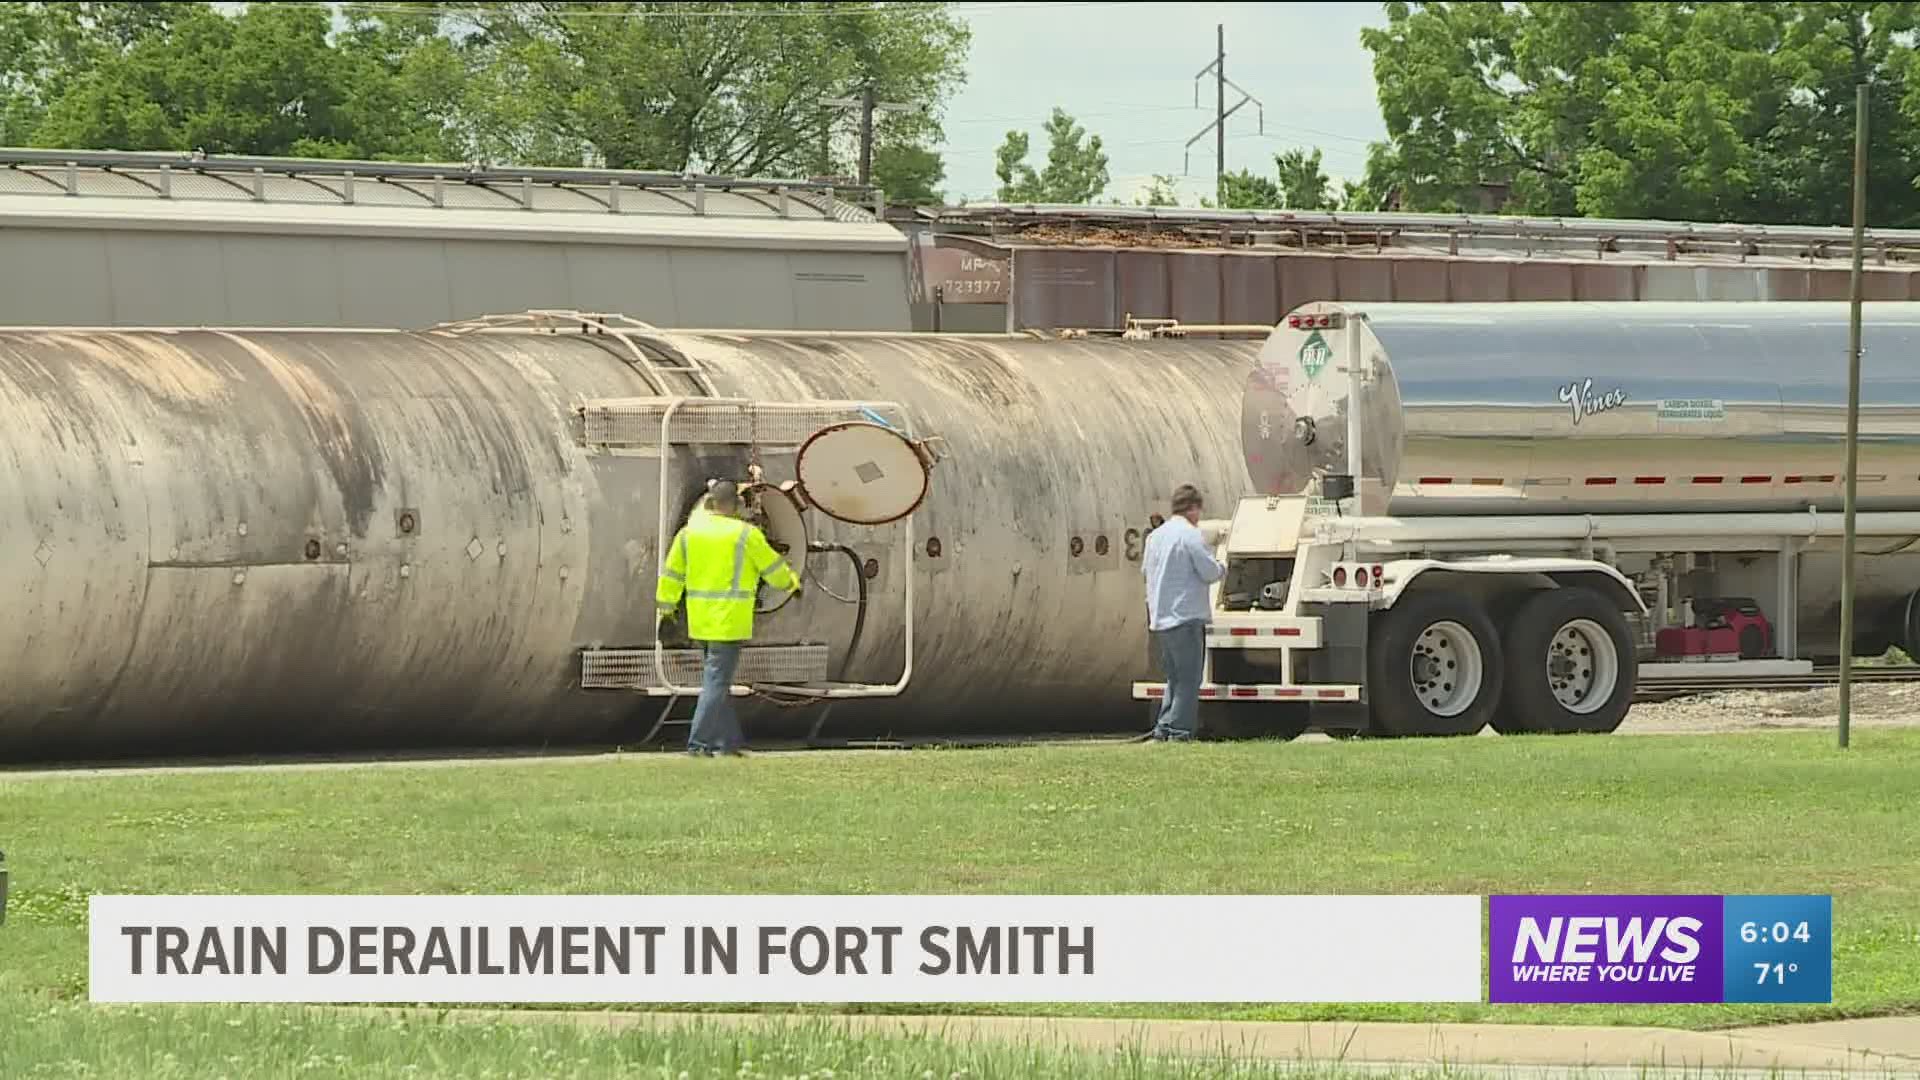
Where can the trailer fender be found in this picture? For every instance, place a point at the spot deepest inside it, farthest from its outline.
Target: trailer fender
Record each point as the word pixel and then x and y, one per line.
pixel 1558 572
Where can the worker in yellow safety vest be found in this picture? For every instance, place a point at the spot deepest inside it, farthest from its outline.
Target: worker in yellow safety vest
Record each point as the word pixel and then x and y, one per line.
pixel 717 562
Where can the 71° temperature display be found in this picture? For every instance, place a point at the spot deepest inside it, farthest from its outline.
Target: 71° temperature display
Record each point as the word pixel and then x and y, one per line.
pixel 1779 949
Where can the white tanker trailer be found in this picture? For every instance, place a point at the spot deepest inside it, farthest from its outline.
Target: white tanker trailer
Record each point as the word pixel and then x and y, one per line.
pixel 1551 503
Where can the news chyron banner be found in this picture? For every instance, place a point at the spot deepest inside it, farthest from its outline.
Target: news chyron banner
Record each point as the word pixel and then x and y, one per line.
pixel 1665 949
pixel 609 949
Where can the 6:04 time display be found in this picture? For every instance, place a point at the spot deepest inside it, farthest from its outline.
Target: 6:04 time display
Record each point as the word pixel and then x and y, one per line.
pixel 1778 932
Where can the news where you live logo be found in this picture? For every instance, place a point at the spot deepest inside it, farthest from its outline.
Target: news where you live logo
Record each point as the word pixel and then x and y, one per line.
pixel 1660 949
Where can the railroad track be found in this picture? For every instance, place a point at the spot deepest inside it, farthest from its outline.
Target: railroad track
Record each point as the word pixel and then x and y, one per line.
pixel 1818 679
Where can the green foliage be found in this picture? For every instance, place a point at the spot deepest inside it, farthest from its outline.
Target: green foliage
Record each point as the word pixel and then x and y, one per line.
pixel 1695 111
pixel 702 85
pixel 1160 192
pixel 1076 169
pixel 909 174
pixel 1303 183
pixel 1244 190
pixel 671 86
pixel 265 81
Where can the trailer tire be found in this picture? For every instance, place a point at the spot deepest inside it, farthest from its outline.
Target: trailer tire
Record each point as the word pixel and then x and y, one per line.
pixel 1447 642
pixel 1572 665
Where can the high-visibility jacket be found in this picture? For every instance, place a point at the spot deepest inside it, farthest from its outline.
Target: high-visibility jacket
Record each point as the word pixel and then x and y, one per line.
pixel 717 562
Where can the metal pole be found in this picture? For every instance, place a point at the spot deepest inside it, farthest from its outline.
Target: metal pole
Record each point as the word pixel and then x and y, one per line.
pixel 1853 407
pixel 1220 115
pixel 866 135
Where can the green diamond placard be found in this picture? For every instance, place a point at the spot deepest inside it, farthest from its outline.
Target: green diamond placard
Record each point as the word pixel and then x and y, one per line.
pixel 1315 354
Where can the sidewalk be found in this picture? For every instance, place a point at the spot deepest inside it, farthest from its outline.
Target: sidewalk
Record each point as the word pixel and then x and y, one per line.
pixel 1865 1048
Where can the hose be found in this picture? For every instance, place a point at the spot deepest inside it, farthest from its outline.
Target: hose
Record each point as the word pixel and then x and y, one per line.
pixel 853 643
pixel 860 613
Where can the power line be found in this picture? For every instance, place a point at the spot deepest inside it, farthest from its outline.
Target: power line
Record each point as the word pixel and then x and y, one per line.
pixel 1221 112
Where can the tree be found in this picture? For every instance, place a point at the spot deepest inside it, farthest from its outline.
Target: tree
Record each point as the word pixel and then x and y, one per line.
pixel 1303 184
pixel 45 48
pixel 1246 191
pixel 908 174
pixel 1160 192
pixel 1076 170
pixel 718 87
pixel 1699 111
pixel 270 79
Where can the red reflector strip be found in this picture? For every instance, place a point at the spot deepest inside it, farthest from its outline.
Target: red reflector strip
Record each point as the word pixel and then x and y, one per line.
pixel 1263 691
pixel 1649 479
pixel 1708 479
pixel 1487 481
pixel 1156 691
pixel 1601 481
pixel 1434 480
pixel 1828 479
pixel 1756 479
pixel 1244 631
pixel 1287 631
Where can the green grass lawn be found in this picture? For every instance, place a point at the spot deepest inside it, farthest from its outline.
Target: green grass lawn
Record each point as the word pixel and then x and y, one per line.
pixel 1746 813
pixel 180 1043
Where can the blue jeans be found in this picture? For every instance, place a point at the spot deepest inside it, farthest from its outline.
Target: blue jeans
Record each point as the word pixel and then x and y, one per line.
pixel 715 727
pixel 1183 654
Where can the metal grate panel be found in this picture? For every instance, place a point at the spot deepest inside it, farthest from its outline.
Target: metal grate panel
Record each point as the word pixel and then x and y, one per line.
pixel 632 669
pixel 636 422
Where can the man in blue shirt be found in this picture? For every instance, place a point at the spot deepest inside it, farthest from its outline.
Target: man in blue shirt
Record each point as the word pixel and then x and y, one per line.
pixel 1179 568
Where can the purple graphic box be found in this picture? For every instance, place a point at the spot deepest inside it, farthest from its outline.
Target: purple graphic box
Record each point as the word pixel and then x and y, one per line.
pixel 1605 949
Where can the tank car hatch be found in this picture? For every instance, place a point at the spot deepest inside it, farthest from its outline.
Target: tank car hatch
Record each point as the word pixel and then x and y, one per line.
pixel 1294 409
pixel 863 474
pixel 777 510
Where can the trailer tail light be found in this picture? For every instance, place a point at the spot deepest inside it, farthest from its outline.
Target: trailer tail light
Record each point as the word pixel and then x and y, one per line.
pixel 1339 577
pixel 1379 573
pixel 1359 577
pixel 1326 320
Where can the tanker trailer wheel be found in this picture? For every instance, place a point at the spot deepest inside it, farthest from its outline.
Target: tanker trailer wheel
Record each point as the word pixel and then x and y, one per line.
pixel 1433 667
pixel 1573 665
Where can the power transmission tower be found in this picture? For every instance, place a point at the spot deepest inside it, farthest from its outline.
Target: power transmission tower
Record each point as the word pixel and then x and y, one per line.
pixel 1220 113
pixel 868 106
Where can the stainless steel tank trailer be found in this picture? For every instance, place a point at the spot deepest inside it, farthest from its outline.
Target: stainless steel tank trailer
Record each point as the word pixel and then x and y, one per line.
pixel 1509 514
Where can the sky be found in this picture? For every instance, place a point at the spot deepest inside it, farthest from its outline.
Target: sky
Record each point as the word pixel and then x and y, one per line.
pixel 1126 72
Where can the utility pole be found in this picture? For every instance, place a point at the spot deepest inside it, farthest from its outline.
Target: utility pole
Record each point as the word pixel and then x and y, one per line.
pixel 867 103
pixel 1220 114
pixel 1853 406
pixel 1218 69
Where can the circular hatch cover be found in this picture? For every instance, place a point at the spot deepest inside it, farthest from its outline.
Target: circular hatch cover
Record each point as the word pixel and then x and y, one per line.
pixel 862 474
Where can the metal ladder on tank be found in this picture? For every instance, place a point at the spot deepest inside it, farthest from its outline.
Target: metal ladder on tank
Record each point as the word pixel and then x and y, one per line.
pixel 655 425
pixel 648 362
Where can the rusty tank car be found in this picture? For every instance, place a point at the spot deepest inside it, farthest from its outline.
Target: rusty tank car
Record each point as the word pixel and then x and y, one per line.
pixel 261 539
